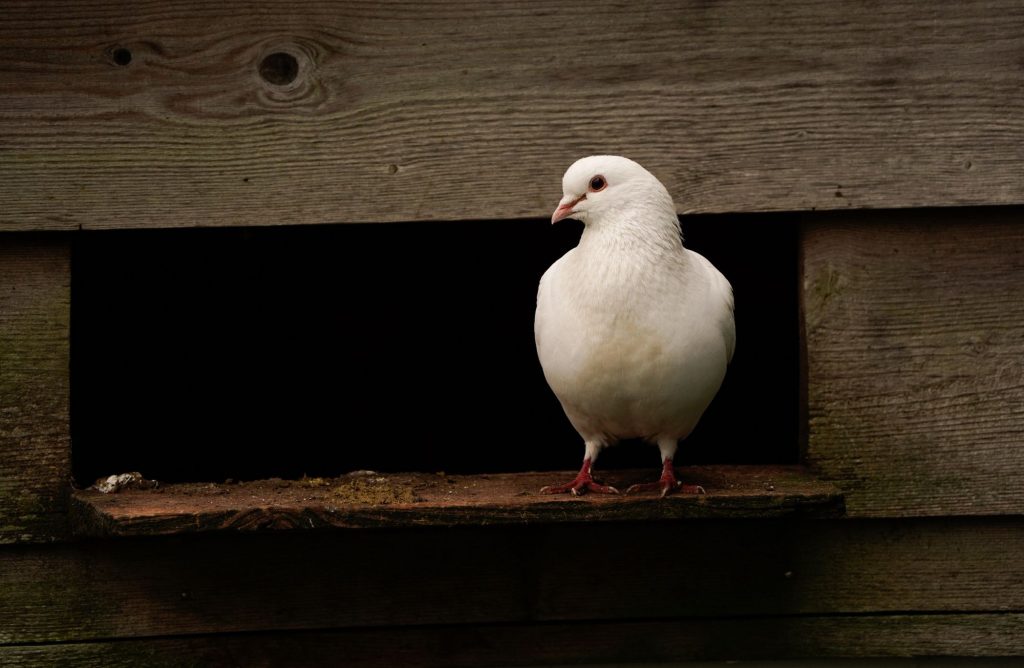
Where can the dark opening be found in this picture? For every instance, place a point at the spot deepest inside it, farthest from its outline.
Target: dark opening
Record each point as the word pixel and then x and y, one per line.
pixel 208 354
pixel 279 68
pixel 122 56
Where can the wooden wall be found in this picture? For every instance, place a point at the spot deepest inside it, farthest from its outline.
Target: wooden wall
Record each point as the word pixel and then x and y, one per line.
pixel 35 440
pixel 448 110
pixel 915 360
pixel 127 115
pixel 736 589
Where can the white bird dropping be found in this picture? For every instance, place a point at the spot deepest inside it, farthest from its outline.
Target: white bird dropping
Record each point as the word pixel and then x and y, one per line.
pixel 634 331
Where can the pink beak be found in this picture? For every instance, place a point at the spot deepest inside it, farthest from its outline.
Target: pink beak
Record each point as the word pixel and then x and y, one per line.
pixel 564 209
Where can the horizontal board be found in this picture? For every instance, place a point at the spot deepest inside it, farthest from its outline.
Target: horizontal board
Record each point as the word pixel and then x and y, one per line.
pixel 244 583
pixel 590 644
pixel 139 114
pixel 429 499
pixel 35 443
pixel 915 360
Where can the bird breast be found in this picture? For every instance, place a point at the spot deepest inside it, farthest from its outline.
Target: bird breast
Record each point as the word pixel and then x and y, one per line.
pixel 642 358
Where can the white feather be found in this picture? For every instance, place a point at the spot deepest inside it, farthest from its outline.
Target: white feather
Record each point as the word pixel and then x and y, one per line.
pixel 633 331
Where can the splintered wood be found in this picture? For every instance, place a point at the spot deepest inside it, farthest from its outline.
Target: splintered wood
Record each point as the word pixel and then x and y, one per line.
pixel 370 499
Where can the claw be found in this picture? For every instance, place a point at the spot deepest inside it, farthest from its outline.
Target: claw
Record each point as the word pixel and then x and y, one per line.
pixel 666 484
pixel 583 482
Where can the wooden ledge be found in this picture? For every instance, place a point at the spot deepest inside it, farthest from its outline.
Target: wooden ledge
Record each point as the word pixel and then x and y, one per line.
pixel 365 500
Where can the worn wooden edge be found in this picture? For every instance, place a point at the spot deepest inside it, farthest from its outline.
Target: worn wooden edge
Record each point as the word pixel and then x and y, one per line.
pixel 602 643
pixel 398 500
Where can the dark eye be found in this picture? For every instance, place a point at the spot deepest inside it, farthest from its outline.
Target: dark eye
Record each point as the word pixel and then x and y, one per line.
pixel 597 183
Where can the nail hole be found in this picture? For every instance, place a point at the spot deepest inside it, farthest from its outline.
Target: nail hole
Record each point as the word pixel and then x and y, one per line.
pixel 122 56
pixel 392 169
pixel 279 68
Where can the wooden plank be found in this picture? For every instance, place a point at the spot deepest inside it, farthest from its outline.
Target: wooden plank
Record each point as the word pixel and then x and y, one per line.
pixel 400 500
pixel 136 114
pixel 591 644
pixel 219 583
pixel 915 360
pixel 35 444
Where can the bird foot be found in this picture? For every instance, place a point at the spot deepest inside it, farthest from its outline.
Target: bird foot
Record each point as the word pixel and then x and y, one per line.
pixel 667 484
pixel 582 483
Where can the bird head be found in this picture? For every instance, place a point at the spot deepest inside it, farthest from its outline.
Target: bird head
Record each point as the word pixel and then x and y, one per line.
pixel 603 187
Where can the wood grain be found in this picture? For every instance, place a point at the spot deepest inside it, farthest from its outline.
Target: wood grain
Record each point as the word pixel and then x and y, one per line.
pixel 915 349
pixel 427 499
pixel 219 583
pixel 626 644
pixel 35 455
pixel 435 111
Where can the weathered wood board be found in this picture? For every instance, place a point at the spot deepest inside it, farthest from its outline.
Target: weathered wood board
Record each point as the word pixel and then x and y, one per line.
pixel 35 442
pixel 242 583
pixel 915 360
pixel 127 114
pixel 398 500
pixel 624 644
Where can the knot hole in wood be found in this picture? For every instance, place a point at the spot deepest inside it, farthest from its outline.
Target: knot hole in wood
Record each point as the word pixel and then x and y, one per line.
pixel 122 56
pixel 119 55
pixel 287 73
pixel 279 68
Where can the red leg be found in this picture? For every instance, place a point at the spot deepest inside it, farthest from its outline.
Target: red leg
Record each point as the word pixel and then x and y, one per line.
pixel 583 482
pixel 667 483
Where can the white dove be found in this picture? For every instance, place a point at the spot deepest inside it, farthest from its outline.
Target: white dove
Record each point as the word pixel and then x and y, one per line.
pixel 633 331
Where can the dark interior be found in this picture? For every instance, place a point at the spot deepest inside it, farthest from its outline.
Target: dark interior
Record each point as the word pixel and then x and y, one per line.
pixel 208 354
